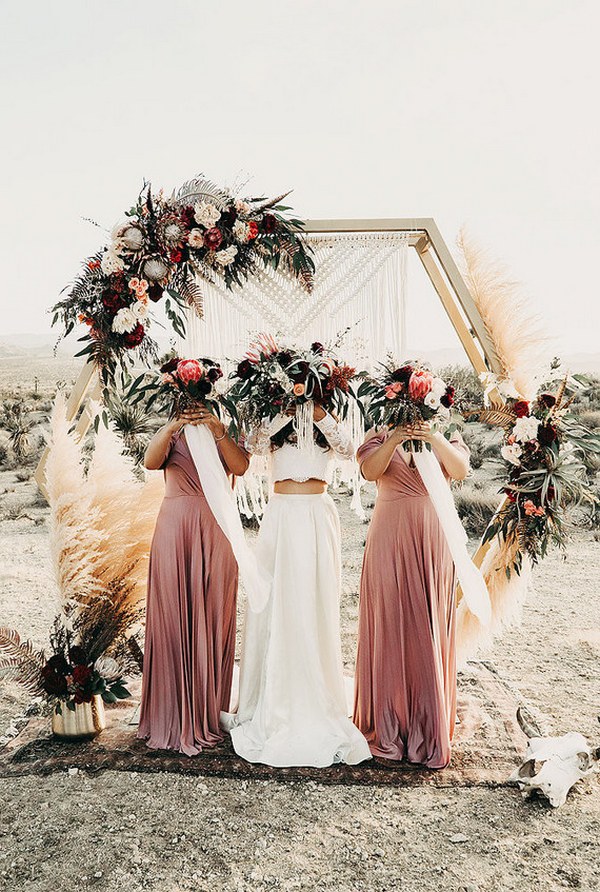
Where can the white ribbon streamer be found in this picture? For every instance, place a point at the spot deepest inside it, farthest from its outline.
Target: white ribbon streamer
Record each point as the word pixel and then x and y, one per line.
pixel 471 580
pixel 222 502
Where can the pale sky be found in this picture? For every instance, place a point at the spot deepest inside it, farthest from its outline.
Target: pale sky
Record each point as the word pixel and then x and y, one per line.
pixel 474 112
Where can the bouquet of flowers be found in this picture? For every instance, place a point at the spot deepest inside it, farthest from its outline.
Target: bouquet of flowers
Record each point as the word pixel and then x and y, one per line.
pixel 544 449
pixel 159 252
pixel 77 669
pixel 408 395
pixel 191 381
pixel 271 379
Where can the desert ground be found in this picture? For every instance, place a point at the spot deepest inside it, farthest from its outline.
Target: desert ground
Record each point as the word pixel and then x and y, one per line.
pixel 171 833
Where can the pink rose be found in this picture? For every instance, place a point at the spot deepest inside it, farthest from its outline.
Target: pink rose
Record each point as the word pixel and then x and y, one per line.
pixel 298 389
pixel 419 384
pixel 531 510
pixel 189 370
pixel 390 392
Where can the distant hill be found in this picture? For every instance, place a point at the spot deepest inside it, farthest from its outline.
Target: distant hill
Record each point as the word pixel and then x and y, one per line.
pixel 41 346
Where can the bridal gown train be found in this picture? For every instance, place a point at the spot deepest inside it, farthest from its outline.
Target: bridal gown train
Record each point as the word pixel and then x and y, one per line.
pixel 292 705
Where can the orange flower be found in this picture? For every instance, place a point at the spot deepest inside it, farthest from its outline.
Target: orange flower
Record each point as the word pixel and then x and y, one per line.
pixel 531 510
pixel 298 389
pixel 93 264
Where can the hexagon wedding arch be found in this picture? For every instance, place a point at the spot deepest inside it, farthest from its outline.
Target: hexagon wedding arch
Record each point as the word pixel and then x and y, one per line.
pixel 225 268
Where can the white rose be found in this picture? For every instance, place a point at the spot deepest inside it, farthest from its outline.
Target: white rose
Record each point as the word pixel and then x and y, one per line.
pixel 525 429
pixel 125 320
pixel 111 262
pixel 511 452
pixel 241 231
pixel 206 214
pixel 432 400
pixel 242 207
pixel 226 256
pixel 438 387
pixel 140 310
pixel 196 238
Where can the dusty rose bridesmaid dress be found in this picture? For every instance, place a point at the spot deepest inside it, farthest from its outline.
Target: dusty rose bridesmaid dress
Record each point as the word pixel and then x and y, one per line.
pixel 190 616
pixel 405 685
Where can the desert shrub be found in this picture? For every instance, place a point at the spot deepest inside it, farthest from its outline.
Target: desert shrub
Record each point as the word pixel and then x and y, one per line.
pixel 476 508
pixel 23 476
pixel 38 501
pixel 591 418
pixel 469 392
pixel 3 453
pixel 477 447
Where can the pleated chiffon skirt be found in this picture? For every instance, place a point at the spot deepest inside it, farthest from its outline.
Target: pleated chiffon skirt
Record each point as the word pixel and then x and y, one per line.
pixel 405 684
pixel 292 708
pixel 190 618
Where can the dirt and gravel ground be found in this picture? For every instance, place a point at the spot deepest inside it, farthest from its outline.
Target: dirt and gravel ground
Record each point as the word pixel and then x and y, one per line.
pixel 168 833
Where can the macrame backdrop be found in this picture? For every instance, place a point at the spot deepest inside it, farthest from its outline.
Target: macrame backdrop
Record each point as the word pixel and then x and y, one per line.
pixel 358 304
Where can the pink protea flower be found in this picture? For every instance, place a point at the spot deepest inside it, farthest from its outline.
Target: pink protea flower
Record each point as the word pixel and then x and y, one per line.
pixel 419 384
pixel 263 345
pixel 267 343
pixel 392 389
pixel 189 370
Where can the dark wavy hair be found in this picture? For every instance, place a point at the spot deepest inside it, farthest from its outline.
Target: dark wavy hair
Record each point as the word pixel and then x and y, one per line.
pixel 287 434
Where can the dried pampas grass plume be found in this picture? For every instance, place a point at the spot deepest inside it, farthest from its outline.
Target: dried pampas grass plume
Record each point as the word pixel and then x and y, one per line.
pixel 102 521
pixel 507 596
pixel 517 335
pixel 75 542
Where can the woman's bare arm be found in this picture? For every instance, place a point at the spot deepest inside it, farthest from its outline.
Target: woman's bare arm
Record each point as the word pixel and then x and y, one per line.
pixel 159 444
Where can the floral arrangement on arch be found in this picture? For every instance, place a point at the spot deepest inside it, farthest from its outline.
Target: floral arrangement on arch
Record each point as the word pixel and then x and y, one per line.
pixel 273 378
pixel 161 251
pixel 408 394
pixel 544 449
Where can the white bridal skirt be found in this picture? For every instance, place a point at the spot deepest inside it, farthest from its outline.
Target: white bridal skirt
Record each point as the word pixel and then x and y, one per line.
pixel 292 702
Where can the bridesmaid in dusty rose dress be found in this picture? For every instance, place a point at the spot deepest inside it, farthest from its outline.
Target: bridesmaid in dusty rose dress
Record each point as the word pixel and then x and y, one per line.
pixel 405 693
pixel 191 606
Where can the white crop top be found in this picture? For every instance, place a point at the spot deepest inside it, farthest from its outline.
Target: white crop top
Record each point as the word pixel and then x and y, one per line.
pixel 290 463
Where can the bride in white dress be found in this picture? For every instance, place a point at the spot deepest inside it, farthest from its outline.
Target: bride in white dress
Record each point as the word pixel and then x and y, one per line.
pixel 292 703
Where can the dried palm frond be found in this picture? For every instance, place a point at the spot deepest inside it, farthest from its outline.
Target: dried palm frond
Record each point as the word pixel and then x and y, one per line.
pixel 516 334
pixel 23 662
pixel 202 189
pixel 501 416
pixel 191 292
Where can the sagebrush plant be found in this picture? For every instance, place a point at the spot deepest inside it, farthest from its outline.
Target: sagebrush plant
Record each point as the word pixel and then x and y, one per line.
pixel 476 507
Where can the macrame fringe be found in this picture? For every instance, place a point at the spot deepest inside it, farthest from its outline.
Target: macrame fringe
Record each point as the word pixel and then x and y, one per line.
pixel 304 427
pixel 358 304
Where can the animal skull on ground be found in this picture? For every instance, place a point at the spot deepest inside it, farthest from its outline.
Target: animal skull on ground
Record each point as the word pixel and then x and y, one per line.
pixel 552 765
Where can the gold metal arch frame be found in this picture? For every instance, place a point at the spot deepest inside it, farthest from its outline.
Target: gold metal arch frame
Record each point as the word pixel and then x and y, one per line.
pixel 425 237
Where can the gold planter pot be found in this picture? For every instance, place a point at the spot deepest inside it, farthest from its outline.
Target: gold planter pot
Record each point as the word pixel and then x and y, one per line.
pixel 86 722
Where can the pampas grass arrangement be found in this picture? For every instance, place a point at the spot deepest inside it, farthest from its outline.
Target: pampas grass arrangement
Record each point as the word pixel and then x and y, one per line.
pixel 516 334
pixel 521 347
pixel 101 520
